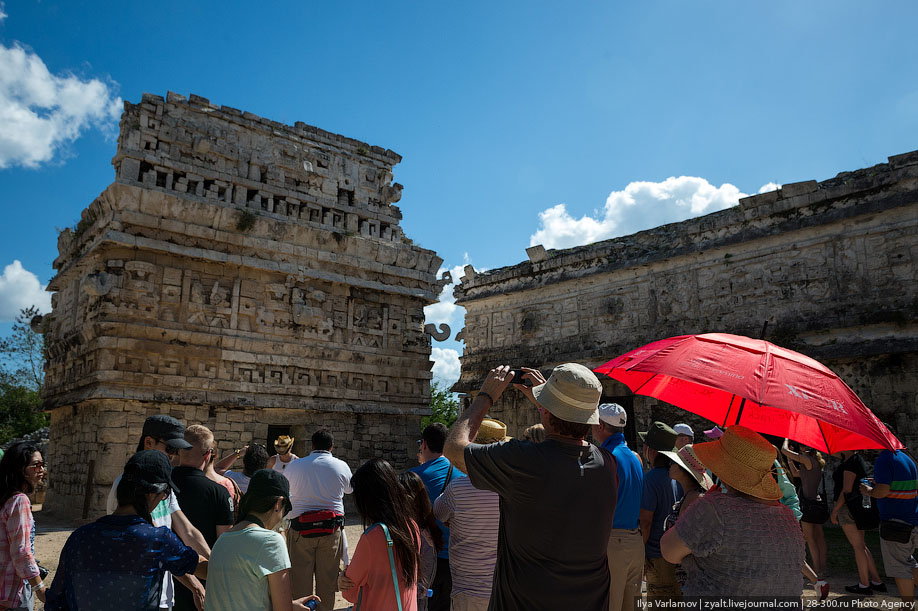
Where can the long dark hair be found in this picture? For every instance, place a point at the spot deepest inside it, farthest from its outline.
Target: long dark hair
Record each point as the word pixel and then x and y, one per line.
pixel 380 498
pixel 12 470
pixel 134 493
pixel 423 512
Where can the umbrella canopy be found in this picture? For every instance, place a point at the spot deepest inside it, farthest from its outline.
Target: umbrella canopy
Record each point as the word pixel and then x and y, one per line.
pixel 732 379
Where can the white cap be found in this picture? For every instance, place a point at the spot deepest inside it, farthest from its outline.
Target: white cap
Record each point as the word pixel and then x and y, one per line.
pixel 684 429
pixel 613 414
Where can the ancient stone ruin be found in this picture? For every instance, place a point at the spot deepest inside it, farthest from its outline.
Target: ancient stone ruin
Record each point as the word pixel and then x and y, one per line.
pixel 239 273
pixel 831 267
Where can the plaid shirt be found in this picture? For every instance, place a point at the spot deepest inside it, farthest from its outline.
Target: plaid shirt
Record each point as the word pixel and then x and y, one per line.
pixel 17 548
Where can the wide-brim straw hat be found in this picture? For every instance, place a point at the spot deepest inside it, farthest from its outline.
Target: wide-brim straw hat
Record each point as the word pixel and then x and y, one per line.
pixel 283 443
pixel 742 459
pixel 571 393
pixel 491 431
pixel 685 457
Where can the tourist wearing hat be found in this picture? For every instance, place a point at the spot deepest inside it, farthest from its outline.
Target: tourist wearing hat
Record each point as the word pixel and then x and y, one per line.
pixel 659 495
pixel 684 434
pixel 249 566
pixel 691 476
pixel 284 447
pixel 118 561
pixel 626 545
pixel 167 435
pixel 473 516
pixel 742 542
pixel 315 539
pixel 557 498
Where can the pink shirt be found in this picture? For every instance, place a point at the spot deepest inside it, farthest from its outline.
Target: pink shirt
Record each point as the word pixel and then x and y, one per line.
pixel 17 562
pixel 370 568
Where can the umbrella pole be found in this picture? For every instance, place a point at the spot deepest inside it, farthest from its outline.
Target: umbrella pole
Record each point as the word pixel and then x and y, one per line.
pixel 739 414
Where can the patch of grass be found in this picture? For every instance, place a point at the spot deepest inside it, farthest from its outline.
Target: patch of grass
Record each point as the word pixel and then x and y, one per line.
pixel 246 220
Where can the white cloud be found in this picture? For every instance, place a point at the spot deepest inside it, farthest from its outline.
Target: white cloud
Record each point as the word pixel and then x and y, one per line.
pixel 641 205
pixel 768 186
pixel 444 311
pixel 3 14
pixel 20 288
pixel 40 112
pixel 446 365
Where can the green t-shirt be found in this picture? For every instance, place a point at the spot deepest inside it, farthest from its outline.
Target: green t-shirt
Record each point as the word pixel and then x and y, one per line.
pixel 240 562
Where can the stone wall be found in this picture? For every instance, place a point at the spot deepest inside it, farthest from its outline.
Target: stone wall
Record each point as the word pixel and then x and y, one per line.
pixel 831 267
pixel 239 273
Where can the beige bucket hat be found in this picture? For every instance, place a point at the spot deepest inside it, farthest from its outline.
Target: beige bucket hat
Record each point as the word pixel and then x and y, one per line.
pixel 491 431
pixel 571 393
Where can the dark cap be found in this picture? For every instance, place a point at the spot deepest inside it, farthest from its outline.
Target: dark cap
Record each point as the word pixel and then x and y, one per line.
pixel 167 428
pixel 268 482
pixel 661 436
pixel 150 467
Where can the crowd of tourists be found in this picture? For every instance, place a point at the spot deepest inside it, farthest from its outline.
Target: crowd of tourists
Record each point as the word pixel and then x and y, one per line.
pixel 547 521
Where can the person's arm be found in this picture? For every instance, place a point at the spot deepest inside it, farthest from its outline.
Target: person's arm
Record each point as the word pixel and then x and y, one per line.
pixel 463 432
pixel 189 535
pixel 792 467
pixel 443 506
pixel 200 571
pixel 646 519
pixel 796 457
pixel 18 534
pixel 279 587
pixel 847 486
pixel 271 461
pixel 227 461
pixel 192 583
pixel 672 547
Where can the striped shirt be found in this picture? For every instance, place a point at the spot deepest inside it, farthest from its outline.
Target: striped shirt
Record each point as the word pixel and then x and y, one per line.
pixel 898 471
pixel 17 548
pixel 474 517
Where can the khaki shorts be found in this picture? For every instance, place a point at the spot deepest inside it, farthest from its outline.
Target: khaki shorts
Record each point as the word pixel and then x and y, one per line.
pixel 898 558
pixel 845 517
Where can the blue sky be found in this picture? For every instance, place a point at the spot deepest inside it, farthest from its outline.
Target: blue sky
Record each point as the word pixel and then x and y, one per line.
pixel 630 114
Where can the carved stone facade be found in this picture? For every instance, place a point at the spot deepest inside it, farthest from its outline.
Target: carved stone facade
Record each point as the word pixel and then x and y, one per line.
pixel 831 267
pixel 242 274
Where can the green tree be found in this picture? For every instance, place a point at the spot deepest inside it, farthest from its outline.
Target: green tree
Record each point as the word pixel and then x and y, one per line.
pixel 21 378
pixel 443 404
pixel 22 353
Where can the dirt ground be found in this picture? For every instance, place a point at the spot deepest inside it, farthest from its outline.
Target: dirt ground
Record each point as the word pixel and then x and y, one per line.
pixel 52 533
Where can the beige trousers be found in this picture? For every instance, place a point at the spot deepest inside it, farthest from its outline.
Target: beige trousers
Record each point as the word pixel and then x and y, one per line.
pixel 315 557
pixel 626 568
pixel 464 602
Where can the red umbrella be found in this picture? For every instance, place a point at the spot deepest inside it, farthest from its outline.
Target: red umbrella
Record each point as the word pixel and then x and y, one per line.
pixel 732 379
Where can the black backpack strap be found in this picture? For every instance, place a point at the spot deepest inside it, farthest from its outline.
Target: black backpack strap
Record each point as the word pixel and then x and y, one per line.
pixel 449 476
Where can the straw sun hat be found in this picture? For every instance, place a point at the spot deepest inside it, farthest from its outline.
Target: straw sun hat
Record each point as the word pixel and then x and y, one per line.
pixel 743 460
pixel 282 443
pixel 571 393
pixel 491 431
pixel 685 457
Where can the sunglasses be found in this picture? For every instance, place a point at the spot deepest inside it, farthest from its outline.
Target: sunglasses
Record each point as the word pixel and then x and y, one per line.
pixel 169 449
pixel 37 465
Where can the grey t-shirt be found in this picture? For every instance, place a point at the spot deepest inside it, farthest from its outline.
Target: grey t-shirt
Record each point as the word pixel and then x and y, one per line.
pixel 741 547
pixel 555 522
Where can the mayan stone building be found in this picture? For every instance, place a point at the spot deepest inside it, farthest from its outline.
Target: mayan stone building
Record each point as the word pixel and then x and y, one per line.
pixel 831 267
pixel 239 273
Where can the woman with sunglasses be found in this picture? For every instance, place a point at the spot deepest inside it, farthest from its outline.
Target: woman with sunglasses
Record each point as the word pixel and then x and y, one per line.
pixel 21 470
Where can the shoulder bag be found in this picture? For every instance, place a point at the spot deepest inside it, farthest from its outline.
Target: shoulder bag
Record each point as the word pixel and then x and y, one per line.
pixel 398 596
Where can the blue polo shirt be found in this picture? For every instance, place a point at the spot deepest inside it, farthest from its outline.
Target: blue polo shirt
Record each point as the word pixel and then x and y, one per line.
pixel 630 483
pixel 898 471
pixel 433 474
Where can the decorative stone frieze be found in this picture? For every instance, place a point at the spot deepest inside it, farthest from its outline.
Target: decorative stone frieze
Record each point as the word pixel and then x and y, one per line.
pixel 831 267
pixel 242 274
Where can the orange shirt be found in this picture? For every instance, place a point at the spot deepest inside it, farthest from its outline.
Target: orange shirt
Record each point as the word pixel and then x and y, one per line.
pixel 370 568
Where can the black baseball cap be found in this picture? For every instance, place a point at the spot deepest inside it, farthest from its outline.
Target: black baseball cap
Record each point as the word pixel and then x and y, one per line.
pixel 150 467
pixel 268 482
pixel 167 428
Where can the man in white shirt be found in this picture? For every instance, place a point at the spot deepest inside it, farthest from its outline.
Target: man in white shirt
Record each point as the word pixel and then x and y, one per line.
pixel 318 483
pixel 166 434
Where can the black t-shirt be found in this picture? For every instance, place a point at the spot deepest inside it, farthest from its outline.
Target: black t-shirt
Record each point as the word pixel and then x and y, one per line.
pixel 207 505
pixel 557 501
pixel 854 463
